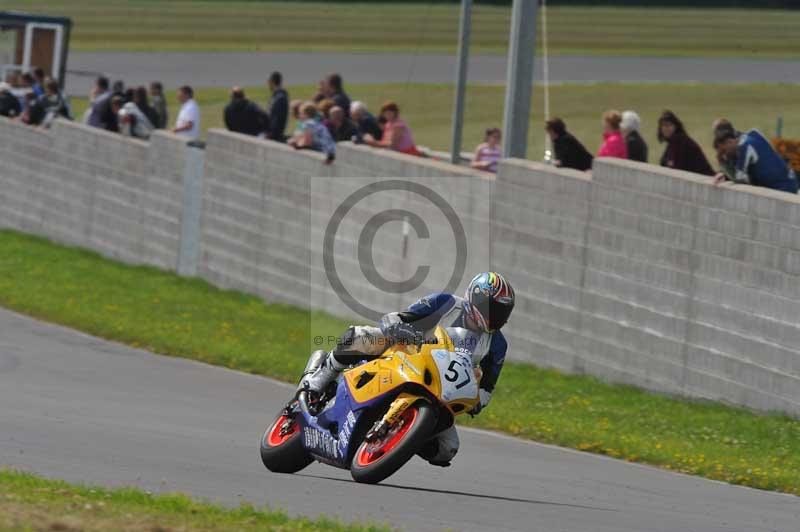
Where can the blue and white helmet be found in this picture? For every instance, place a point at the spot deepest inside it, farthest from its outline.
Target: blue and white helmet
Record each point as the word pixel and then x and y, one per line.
pixel 489 301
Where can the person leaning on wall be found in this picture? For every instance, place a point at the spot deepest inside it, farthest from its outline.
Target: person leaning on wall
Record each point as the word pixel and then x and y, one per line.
pixel 613 143
pixel 567 150
pixel 682 151
pixel 637 147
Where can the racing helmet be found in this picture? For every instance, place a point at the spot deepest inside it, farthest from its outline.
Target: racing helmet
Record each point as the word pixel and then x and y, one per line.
pixel 489 301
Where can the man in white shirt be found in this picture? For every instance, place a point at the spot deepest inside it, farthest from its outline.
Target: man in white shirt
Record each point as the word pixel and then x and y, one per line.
pixel 188 122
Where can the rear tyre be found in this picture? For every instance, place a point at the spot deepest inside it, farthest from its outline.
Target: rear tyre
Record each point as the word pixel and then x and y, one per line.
pixel 376 461
pixel 282 451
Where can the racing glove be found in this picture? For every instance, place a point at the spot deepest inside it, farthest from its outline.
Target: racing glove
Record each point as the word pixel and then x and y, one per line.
pixel 484 397
pixel 404 333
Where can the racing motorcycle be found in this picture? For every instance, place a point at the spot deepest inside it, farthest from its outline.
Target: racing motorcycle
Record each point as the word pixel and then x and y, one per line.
pixel 378 414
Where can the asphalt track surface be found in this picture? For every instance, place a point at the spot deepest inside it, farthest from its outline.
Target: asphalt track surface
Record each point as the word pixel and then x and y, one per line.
pixel 83 409
pixel 224 69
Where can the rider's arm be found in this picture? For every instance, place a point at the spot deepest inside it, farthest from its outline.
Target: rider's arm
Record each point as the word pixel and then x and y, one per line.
pixel 492 362
pixel 423 314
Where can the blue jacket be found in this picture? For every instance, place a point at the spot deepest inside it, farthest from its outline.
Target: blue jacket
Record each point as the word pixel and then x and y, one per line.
pixel 448 310
pixel 758 164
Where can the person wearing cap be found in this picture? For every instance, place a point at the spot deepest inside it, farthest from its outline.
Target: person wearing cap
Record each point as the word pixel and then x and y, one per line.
pixel 9 104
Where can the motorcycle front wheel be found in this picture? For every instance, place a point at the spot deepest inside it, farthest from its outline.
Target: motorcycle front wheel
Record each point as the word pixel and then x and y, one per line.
pixel 282 448
pixel 377 460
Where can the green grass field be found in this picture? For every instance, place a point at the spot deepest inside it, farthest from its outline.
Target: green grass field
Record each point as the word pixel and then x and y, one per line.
pixel 581 106
pixel 158 311
pixel 31 503
pixel 162 25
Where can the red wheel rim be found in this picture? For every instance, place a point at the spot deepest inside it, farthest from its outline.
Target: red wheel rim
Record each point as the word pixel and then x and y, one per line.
pixel 371 452
pixel 275 438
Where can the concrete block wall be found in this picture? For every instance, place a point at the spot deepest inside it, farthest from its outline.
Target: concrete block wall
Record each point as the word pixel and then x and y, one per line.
pixel 258 218
pixel 634 273
pixel 654 277
pixel 81 186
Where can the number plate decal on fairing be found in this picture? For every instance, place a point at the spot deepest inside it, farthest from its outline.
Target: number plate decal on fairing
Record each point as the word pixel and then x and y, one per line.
pixel 457 375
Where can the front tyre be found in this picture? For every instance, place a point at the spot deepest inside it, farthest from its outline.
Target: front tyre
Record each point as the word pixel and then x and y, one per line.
pixel 282 448
pixel 376 461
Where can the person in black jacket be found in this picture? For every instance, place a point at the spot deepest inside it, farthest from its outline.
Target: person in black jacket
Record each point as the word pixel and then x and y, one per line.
pixel 341 128
pixel 9 104
pixel 278 108
pixel 569 152
pixel 637 147
pixel 143 103
pixel 108 118
pixel 364 121
pixel 244 116
pixel 332 87
pixel 682 152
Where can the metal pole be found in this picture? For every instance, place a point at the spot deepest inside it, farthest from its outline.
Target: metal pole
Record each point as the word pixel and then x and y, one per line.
pixel 545 62
pixel 521 51
pixel 461 80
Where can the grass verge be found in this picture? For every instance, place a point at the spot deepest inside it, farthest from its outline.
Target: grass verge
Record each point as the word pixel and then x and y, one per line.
pixel 176 25
pixel 29 502
pixel 427 108
pixel 164 313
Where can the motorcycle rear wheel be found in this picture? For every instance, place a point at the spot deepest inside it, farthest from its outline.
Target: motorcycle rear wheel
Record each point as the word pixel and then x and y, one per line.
pixel 284 453
pixel 376 461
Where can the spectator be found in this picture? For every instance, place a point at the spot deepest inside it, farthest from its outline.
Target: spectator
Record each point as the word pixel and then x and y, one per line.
pixel 33 112
pixel 107 115
pixel 98 98
pixel 364 121
pixel 132 120
pixel 244 116
pixel 340 127
pixel 613 143
pixel 396 133
pixel 488 154
pixel 635 144
pixel 682 152
pixel 727 166
pixel 315 136
pixel 141 101
pixel 53 103
pixel 756 161
pixel 332 88
pixel 159 104
pixel 278 108
pixel 9 104
pixel 569 152
pixel 188 122
pixel 39 82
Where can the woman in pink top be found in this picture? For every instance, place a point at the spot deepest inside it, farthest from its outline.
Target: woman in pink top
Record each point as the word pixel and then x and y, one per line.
pixel 396 133
pixel 613 143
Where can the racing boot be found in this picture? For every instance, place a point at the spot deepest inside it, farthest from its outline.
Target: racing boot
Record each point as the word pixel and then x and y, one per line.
pixel 440 449
pixel 322 369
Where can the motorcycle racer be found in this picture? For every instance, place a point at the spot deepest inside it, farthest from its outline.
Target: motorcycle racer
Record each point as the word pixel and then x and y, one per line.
pixel 484 310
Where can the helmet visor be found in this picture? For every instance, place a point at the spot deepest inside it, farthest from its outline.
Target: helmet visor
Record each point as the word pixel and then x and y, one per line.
pixel 495 313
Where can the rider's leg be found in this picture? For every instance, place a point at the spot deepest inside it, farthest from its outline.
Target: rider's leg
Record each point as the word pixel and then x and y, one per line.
pixel 356 344
pixel 442 448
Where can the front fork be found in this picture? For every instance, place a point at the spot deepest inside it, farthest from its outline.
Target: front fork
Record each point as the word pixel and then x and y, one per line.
pixel 398 406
